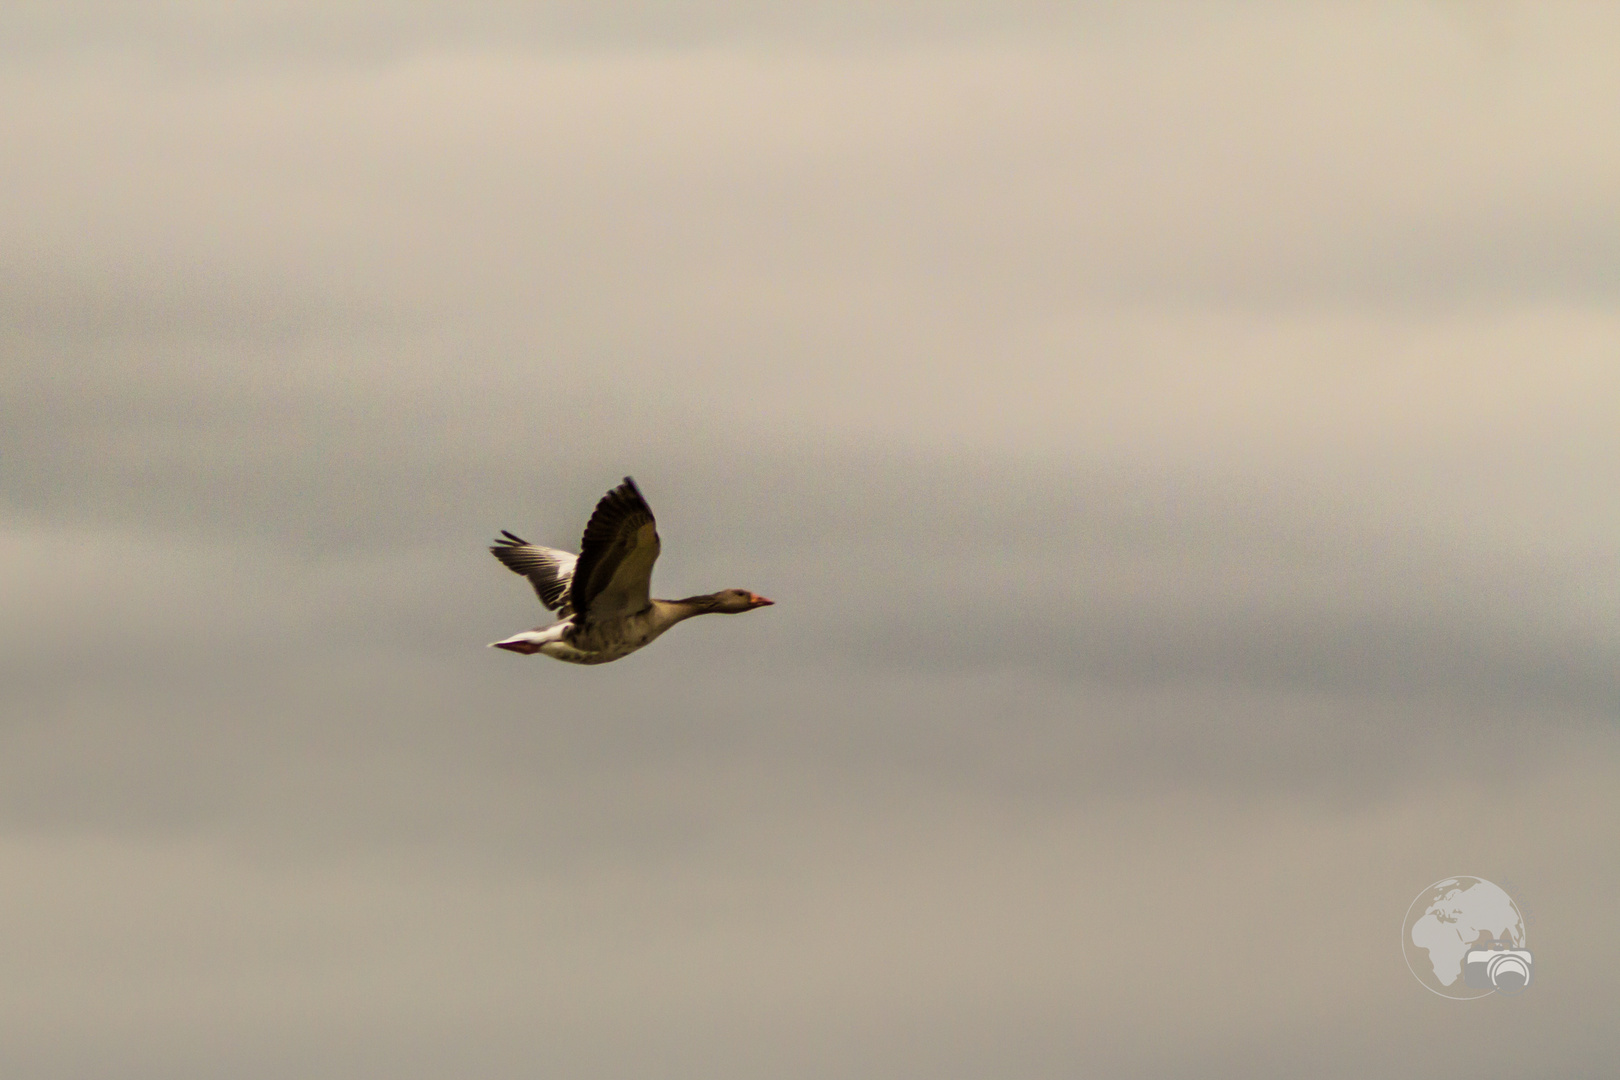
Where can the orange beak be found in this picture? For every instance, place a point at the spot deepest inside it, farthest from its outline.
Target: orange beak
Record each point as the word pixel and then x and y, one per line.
pixel 759 601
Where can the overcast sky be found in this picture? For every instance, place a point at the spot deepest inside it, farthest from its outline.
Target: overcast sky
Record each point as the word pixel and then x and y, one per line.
pixel 1181 442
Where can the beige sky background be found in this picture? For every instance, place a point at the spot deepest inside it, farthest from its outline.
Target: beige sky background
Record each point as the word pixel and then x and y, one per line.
pixel 1181 441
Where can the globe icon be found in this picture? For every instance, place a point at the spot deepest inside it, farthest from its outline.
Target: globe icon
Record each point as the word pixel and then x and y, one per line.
pixel 1463 938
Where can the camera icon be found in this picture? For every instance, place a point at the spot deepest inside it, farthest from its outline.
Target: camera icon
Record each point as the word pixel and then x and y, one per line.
pixel 1497 965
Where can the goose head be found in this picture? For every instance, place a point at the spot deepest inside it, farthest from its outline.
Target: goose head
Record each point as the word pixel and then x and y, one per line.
pixel 732 601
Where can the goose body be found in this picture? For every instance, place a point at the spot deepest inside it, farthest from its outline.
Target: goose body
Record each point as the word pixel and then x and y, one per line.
pixel 603 595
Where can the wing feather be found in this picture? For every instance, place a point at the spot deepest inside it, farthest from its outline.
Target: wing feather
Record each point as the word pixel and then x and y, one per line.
pixel 613 577
pixel 550 571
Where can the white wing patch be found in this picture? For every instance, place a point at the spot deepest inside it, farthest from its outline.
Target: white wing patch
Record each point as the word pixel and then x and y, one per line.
pixel 549 570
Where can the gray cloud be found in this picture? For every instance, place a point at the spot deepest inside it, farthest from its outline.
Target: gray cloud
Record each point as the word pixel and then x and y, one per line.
pixel 1180 444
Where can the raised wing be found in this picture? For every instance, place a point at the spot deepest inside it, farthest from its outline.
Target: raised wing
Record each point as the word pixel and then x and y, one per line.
pixel 550 571
pixel 613 577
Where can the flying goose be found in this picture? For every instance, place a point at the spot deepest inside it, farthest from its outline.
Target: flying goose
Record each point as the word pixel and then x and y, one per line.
pixel 602 595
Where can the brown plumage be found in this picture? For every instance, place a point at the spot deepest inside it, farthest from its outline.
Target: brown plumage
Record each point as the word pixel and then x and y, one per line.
pixel 602 596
